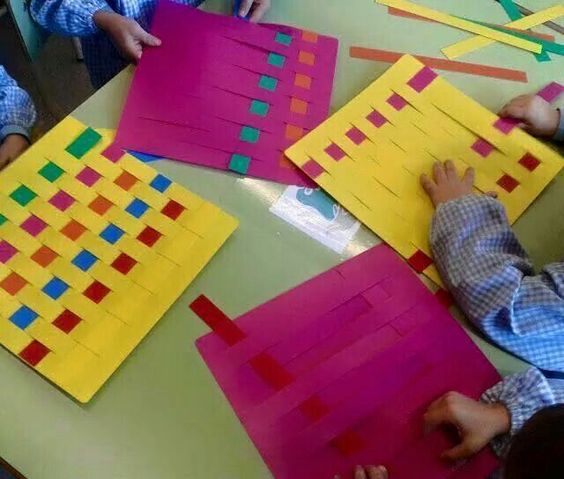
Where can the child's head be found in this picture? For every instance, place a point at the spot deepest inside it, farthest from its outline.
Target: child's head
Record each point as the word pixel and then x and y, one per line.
pixel 537 451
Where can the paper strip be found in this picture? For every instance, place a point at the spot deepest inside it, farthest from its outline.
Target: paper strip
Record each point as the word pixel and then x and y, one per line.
pixel 463 24
pixel 475 43
pixel 442 64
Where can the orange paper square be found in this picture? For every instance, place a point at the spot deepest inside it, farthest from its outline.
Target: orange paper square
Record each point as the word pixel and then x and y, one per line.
pixel 100 205
pixel 44 256
pixel 13 283
pixel 294 132
pixel 125 181
pixel 306 58
pixel 303 81
pixel 73 230
pixel 299 106
pixel 310 37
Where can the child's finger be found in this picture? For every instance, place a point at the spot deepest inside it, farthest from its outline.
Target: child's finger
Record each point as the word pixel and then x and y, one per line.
pixel 245 7
pixel 439 174
pixel 258 12
pixel 379 472
pixel 460 452
pixel 359 473
pixel 150 40
pixel 469 177
pixel 450 170
pixel 428 185
pixel 518 112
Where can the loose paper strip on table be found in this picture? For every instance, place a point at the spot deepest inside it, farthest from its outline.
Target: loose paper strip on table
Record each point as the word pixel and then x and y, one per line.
pixel 318 373
pixel 93 252
pixel 370 154
pixel 441 64
pixel 234 99
pixel 462 24
pixel 401 13
pixel 475 43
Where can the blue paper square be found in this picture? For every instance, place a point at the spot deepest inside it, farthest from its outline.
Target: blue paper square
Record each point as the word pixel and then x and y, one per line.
pixel 23 317
pixel 137 208
pixel 84 260
pixel 161 183
pixel 55 288
pixel 112 234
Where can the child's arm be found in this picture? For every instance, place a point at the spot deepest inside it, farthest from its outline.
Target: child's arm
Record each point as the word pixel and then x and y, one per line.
pixel 487 270
pixel 17 116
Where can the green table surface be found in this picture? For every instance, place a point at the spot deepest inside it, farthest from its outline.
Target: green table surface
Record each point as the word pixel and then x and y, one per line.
pixel 162 415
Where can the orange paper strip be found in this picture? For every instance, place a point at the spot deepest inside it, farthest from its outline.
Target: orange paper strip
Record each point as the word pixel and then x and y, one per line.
pixel 442 64
pixel 401 13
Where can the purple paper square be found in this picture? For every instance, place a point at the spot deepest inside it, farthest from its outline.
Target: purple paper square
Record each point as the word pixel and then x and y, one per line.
pixel 506 125
pixel 397 102
pixel 482 147
pixel 88 176
pixel 312 169
pixel 6 251
pixel 33 225
pixel 356 136
pixel 376 118
pixel 422 79
pixel 62 201
pixel 335 152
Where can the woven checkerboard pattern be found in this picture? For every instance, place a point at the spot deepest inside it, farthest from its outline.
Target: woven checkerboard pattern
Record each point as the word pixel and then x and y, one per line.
pixel 370 155
pixel 93 251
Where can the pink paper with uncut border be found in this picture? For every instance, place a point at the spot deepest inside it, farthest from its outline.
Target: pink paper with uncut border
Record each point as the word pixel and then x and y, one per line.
pixel 191 97
pixel 370 342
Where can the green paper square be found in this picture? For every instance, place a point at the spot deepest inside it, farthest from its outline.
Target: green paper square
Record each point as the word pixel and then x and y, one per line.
pixel 276 60
pixel 3 219
pixel 22 195
pixel 283 38
pixel 268 83
pixel 51 172
pixel 259 108
pixel 84 143
pixel 249 134
pixel 239 164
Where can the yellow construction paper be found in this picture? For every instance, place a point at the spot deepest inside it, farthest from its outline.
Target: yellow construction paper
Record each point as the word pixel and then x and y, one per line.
pixel 378 180
pixel 475 43
pixel 81 360
pixel 463 24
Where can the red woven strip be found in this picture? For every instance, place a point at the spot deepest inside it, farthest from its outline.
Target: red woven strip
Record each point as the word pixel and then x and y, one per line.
pixel 217 321
pixel 271 371
pixel 348 443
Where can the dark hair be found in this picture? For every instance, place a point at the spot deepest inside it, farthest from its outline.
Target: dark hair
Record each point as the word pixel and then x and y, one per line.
pixel 537 451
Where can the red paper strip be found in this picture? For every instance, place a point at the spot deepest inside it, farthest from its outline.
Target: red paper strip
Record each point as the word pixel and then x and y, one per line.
pixel 216 320
pixel 442 64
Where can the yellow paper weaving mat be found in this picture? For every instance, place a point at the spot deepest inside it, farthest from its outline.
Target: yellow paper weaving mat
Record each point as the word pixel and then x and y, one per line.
pixel 378 179
pixel 75 325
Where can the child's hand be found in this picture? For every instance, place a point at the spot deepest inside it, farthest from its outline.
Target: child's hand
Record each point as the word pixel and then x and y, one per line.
pixel 446 185
pixel 537 116
pixel 12 147
pixel 369 472
pixel 126 34
pixel 257 8
pixel 477 423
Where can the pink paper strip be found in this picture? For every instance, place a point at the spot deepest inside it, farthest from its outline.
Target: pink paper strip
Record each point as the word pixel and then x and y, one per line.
pixel 88 176
pixel 482 147
pixel 335 152
pixel 397 101
pixel 62 201
pixel 422 79
pixel 313 169
pixel 33 225
pixel 506 125
pixel 189 100
pixel 377 119
pixel 551 92
pixel 368 348
pixel 356 136
pixel 6 251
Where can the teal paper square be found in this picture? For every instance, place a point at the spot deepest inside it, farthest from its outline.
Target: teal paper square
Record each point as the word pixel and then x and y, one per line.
pixel 276 60
pixel 283 38
pixel 249 134
pixel 239 164
pixel 259 108
pixel 268 83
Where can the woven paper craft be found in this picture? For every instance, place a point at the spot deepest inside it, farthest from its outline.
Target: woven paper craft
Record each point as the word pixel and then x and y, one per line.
pixel 340 370
pixel 92 253
pixel 234 99
pixel 369 155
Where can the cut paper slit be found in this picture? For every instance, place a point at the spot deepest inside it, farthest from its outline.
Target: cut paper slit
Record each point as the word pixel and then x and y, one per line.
pixel 442 64
pixel 235 95
pixel 84 274
pixel 312 407
pixel 378 183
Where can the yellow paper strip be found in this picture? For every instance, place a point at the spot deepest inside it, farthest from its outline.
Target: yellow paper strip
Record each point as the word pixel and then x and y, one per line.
pixel 475 43
pixel 463 24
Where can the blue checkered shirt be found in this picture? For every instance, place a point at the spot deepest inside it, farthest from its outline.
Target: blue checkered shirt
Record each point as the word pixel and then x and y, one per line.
pixel 493 281
pixel 74 18
pixel 17 113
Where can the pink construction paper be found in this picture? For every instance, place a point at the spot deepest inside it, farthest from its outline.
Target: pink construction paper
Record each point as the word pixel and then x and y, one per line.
pixel 190 100
pixel 33 225
pixel 335 152
pixel 356 136
pixel 551 92
pixel 397 101
pixel 482 147
pixel 6 251
pixel 313 169
pixel 422 79
pixel 374 347
pixel 377 119
pixel 506 125
pixel 88 176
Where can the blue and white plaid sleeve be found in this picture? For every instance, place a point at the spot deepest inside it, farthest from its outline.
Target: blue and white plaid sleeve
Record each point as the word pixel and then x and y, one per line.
pixel 67 17
pixel 17 113
pixel 492 279
pixel 524 395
